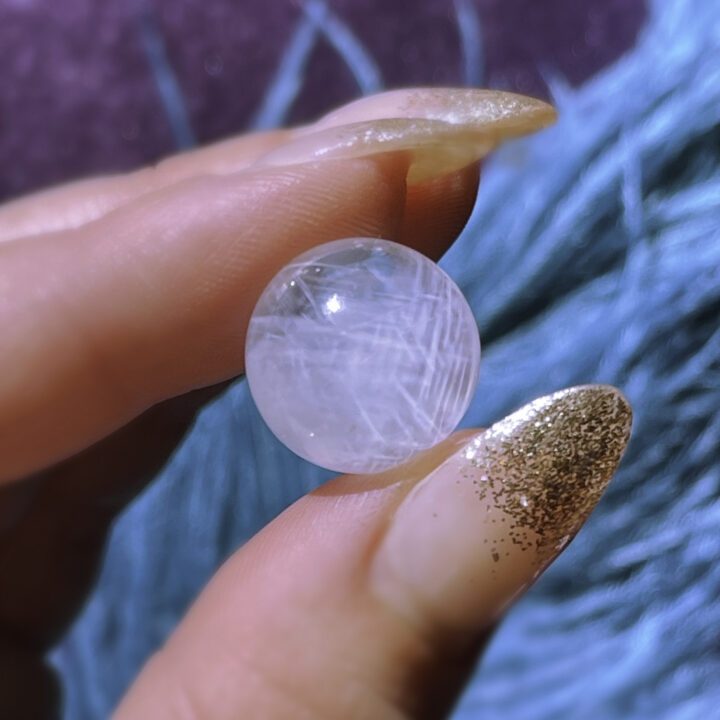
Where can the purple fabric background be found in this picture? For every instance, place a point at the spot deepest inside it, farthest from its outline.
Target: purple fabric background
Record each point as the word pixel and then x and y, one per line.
pixel 77 95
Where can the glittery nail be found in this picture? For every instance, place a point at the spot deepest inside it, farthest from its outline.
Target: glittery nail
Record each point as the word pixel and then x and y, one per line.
pixel 547 464
pixel 482 526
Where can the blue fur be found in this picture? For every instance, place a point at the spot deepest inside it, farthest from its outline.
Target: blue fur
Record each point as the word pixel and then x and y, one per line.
pixel 593 255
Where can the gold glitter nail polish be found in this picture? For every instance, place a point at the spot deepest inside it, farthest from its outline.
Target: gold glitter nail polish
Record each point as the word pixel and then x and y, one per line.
pixel 480 527
pixel 547 464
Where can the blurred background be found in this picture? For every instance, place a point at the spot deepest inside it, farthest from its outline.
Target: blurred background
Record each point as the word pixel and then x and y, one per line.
pixel 593 254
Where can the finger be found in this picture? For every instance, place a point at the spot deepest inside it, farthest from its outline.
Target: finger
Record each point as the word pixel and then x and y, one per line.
pixel 153 300
pixel 371 597
pixel 146 273
pixel 443 129
pixel 72 205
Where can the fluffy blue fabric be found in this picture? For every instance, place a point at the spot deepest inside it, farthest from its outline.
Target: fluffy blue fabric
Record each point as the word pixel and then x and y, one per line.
pixel 593 255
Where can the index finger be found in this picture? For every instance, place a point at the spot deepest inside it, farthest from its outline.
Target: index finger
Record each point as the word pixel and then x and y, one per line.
pixel 153 299
pixel 449 127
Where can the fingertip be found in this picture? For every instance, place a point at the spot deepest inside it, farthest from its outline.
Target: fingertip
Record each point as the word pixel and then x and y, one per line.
pixel 437 210
pixel 478 530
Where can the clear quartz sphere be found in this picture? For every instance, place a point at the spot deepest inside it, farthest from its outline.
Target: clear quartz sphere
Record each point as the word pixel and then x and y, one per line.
pixel 360 353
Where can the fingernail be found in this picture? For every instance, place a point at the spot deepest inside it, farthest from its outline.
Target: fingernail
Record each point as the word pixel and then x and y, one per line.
pixel 456 106
pixel 478 530
pixel 442 129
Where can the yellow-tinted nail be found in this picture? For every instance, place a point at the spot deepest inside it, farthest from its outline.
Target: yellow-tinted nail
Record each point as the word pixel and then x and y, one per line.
pixel 482 526
pixel 442 129
pixel 456 106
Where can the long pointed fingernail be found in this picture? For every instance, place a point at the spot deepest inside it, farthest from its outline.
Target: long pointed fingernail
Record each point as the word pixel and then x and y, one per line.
pixel 471 536
pixel 442 129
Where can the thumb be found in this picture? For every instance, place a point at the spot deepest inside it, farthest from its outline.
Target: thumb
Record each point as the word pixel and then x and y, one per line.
pixel 371 597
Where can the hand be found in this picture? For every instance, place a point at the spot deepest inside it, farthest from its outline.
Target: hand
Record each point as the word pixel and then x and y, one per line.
pixel 123 307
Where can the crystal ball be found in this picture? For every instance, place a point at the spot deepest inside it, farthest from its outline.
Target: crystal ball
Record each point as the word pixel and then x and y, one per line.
pixel 361 352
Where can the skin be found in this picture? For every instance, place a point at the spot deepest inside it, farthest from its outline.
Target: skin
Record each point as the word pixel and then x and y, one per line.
pixel 102 283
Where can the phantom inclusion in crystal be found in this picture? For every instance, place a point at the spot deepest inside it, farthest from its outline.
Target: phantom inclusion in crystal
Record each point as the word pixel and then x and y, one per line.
pixel 360 353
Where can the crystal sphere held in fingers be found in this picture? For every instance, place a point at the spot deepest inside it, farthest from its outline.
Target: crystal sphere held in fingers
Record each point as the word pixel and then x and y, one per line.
pixel 360 353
